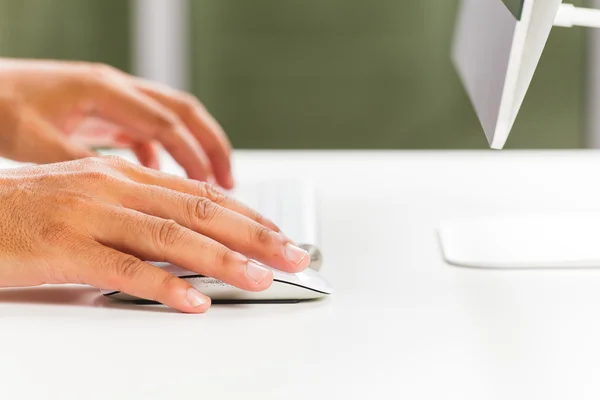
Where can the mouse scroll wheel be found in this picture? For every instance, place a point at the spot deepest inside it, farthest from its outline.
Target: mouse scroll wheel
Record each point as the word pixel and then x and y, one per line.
pixel 316 258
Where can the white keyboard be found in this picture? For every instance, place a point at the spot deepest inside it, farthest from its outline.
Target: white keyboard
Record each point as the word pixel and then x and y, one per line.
pixel 290 204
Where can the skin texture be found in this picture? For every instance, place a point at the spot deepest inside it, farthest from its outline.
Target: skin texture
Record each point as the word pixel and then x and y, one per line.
pixel 54 111
pixel 94 220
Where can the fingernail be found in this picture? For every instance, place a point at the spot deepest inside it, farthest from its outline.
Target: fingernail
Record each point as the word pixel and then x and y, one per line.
pixel 295 254
pixel 256 273
pixel 195 298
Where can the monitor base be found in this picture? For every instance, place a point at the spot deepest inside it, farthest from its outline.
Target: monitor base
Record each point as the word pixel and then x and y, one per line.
pixel 523 241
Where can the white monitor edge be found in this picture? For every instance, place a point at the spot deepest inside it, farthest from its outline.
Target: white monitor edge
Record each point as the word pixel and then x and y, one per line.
pixel 497 69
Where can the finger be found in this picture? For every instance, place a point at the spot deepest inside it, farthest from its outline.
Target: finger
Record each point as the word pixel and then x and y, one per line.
pixel 103 134
pixel 147 154
pixel 230 228
pixel 202 125
pixel 40 141
pixel 94 132
pixel 156 239
pixel 194 188
pixel 106 268
pixel 149 120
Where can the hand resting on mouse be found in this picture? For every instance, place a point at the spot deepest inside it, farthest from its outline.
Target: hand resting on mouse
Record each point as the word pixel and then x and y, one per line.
pixel 93 221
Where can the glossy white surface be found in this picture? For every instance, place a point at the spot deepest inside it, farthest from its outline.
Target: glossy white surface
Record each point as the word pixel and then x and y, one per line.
pixel 523 241
pixel 402 323
pixel 305 285
pixel 291 203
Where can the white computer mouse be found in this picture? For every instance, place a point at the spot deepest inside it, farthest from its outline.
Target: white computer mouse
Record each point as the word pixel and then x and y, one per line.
pixel 286 287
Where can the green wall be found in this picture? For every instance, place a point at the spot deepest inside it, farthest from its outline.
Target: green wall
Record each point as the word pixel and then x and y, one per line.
pixel 92 30
pixel 363 74
pixel 319 73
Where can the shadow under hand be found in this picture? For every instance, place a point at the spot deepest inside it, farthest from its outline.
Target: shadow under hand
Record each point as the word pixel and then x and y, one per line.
pixel 72 296
pixel 86 296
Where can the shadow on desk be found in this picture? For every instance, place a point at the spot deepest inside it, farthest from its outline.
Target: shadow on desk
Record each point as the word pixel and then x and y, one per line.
pixel 85 296
pixel 72 296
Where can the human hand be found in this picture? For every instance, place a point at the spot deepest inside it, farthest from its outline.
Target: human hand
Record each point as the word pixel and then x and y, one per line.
pixel 93 221
pixel 54 111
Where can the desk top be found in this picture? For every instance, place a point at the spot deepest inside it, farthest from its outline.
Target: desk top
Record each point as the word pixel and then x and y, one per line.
pixel 402 324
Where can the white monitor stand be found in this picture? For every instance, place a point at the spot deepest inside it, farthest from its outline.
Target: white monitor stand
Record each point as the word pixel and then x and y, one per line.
pixel 516 241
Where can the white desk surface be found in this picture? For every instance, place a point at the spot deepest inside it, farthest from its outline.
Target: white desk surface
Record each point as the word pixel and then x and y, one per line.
pixel 402 324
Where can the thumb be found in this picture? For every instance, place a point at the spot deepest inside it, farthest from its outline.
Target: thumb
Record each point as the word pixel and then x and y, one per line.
pixel 39 141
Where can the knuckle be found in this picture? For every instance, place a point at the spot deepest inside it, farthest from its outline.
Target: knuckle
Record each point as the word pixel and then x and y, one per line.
pixel 113 160
pixel 104 169
pixel 118 163
pixel 204 210
pixel 189 105
pixel 90 163
pixel 208 191
pixel 169 234
pixel 95 176
pixel 129 267
pixel 223 256
pixel 94 163
pixel 168 282
pixel 191 101
pixel 261 235
pixel 100 71
pixel 94 76
pixel 164 124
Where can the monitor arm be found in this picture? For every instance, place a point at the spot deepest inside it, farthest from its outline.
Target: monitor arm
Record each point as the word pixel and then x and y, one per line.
pixel 569 16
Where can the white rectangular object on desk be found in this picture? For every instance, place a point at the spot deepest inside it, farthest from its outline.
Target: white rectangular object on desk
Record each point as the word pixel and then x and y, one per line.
pixel 523 241
pixel 291 204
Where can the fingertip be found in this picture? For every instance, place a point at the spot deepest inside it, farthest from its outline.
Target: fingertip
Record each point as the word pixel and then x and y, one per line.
pixel 195 302
pixel 149 164
pixel 260 278
pixel 153 164
pixel 199 171
pixel 77 153
pixel 228 182
pixel 298 258
pixel 147 155
pixel 305 263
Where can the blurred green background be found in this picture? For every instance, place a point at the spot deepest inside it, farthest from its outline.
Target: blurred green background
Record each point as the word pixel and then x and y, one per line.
pixel 319 73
